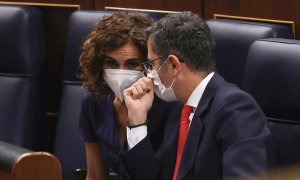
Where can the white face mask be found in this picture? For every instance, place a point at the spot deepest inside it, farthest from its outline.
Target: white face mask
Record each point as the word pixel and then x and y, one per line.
pixel 166 94
pixel 118 80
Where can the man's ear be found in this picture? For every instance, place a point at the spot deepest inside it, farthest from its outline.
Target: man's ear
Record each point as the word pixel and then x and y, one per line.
pixel 175 64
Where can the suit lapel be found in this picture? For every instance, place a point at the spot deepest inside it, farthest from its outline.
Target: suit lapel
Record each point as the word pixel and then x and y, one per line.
pixel 196 128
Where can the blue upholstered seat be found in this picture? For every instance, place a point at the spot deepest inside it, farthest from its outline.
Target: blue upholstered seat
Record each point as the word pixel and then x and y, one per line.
pixel 272 76
pixel 153 14
pixel 68 147
pixel 22 76
pixel 233 38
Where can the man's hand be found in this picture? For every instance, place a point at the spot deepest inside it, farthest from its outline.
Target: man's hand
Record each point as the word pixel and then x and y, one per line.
pixel 138 99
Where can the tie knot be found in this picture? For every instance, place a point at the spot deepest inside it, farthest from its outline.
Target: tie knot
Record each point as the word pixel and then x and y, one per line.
pixel 186 111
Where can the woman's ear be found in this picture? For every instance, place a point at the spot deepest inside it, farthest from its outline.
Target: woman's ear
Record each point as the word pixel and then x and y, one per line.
pixel 175 64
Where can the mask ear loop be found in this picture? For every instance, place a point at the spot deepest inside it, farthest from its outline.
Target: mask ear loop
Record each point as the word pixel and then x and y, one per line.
pixel 162 65
pixel 172 82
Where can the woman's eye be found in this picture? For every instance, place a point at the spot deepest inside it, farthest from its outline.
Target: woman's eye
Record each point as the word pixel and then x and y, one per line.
pixel 134 64
pixel 111 64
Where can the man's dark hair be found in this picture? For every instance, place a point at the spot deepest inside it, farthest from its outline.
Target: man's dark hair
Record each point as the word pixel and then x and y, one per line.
pixel 185 35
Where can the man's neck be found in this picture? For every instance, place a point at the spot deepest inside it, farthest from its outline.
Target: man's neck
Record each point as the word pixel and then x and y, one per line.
pixel 187 85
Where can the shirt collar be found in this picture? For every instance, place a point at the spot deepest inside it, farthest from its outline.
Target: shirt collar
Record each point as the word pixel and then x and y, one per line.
pixel 196 95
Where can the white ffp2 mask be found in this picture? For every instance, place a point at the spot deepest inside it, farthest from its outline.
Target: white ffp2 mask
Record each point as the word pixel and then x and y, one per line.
pixel 166 94
pixel 118 80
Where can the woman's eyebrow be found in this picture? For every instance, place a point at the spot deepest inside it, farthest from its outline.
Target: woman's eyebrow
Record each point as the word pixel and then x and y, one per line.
pixel 134 59
pixel 109 58
pixel 130 59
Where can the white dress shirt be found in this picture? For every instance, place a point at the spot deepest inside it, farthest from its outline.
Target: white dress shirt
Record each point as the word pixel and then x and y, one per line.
pixel 135 135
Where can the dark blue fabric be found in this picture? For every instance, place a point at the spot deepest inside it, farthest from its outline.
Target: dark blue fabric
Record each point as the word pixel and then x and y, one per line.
pixel 80 24
pixel 272 78
pixel 233 39
pixel 153 14
pixel 68 147
pixel 98 124
pixel 228 138
pixel 23 76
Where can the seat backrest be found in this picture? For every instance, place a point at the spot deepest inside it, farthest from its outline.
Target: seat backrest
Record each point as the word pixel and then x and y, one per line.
pixel 22 76
pixel 233 38
pixel 153 14
pixel 68 147
pixel 17 163
pixel 272 76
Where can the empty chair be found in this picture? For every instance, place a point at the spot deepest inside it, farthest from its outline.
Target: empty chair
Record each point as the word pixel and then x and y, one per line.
pixel 233 38
pixel 272 76
pixel 22 76
pixel 68 147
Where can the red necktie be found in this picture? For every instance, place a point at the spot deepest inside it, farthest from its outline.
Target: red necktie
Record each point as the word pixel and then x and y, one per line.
pixel 183 132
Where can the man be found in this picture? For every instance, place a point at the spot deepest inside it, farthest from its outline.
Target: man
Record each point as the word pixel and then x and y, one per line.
pixel 222 132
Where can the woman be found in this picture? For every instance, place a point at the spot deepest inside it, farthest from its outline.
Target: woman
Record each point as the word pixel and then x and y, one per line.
pixel 111 61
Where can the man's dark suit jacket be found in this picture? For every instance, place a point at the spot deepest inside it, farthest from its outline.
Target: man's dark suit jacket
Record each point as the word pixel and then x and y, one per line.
pixel 228 138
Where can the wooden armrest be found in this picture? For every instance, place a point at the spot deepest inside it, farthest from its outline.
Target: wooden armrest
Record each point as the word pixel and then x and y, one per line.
pixel 18 163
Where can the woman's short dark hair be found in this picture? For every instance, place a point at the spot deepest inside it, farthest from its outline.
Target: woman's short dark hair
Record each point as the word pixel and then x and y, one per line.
pixel 107 35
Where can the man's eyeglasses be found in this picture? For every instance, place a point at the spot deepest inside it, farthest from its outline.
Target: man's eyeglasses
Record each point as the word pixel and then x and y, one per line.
pixel 149 65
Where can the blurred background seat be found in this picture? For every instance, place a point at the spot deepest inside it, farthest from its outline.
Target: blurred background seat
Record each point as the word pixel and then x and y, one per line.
pixel 68 147
pixel 272 76
pixel 23 76
pixel 233 39
pixel 153 14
